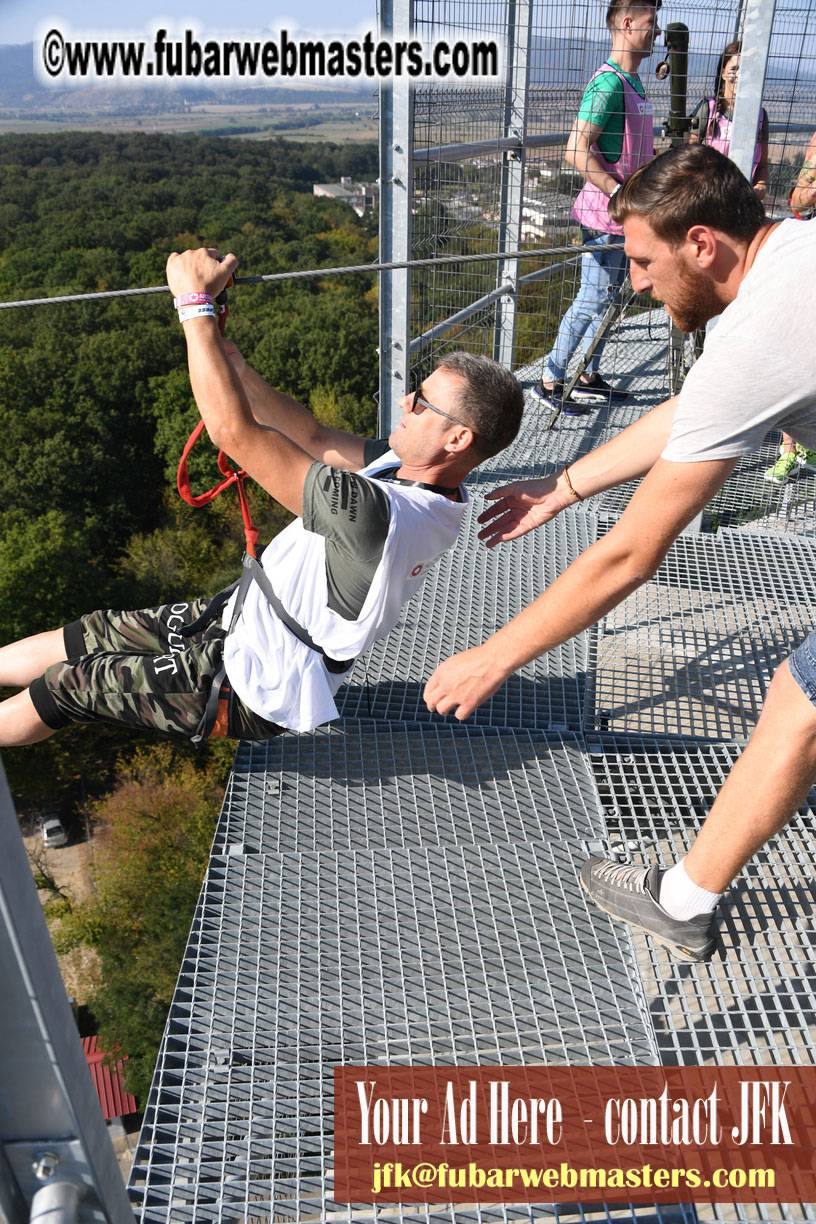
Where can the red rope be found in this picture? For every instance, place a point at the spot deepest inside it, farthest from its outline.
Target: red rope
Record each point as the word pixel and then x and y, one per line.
pixel 232 476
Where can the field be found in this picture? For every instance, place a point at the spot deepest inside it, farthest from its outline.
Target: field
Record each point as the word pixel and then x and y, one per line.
pixel 309 121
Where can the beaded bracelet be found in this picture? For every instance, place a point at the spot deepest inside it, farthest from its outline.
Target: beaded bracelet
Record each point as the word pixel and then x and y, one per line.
pixel 566 476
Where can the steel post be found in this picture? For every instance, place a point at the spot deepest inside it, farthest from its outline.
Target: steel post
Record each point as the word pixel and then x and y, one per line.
pixel 50 1118
pixel 396 192
pixel 756 41
pixel 517 75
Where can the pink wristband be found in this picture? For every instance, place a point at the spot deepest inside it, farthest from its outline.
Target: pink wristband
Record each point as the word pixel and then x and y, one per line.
pixel 193 299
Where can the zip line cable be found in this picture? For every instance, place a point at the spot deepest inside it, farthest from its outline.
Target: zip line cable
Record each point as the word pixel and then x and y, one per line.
pixel 303 274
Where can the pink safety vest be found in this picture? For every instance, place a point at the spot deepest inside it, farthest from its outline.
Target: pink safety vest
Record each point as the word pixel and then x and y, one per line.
pixel 591 207
pixel 719 136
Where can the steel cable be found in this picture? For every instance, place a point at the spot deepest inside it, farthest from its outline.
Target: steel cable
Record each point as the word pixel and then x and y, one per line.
pixel 305 273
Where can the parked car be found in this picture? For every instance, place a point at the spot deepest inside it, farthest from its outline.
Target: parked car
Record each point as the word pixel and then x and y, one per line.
pixel 54 832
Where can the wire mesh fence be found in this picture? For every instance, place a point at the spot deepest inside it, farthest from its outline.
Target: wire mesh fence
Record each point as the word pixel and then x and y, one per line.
pixel 490 162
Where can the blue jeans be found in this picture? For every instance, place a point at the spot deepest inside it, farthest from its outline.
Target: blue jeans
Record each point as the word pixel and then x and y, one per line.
pixel 802 664
pixel 602 273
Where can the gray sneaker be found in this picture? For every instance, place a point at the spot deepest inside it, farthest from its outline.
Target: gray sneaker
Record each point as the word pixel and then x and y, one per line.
pixel 630 894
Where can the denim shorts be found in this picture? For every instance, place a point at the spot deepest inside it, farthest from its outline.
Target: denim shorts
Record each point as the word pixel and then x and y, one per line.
pixel 802 665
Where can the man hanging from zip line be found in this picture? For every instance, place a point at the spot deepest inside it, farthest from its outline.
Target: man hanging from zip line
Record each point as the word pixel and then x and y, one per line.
pixel 373 518
pixel 697 237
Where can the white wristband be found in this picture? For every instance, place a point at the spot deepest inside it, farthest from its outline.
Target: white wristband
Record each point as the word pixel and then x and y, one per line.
pixel 195 312
pixel 615 190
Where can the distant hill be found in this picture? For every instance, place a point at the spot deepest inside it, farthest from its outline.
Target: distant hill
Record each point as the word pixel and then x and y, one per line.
pixel 22 93
pixel 557 64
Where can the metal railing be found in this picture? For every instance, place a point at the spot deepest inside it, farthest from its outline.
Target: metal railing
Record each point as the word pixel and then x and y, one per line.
pixel 56 1159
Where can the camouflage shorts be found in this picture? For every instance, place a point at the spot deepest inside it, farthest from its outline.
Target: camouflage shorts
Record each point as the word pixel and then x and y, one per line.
pixel 136 669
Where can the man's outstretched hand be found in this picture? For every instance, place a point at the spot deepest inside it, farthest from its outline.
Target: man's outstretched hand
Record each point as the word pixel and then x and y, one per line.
pixel 463 682
pixel 520 507
pixel 200 271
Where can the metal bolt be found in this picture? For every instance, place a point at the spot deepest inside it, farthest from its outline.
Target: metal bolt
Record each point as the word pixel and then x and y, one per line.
pixel 45 1165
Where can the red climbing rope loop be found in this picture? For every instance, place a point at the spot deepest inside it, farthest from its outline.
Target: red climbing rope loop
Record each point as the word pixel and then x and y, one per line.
pixel 232 476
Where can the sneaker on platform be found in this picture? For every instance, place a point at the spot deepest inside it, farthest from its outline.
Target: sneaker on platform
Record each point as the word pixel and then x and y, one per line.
pixel 630 894
pixel 598 391
pixel 786 466
pixel 805 458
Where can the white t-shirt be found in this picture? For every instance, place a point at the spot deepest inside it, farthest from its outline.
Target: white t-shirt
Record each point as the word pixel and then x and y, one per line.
pixel 758 368
pixel 275 673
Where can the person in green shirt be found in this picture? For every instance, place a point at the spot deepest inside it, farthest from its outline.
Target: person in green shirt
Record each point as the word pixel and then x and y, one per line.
pixel 611 137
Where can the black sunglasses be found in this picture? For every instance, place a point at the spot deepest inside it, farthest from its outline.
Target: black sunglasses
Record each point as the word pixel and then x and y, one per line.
pixel 419 400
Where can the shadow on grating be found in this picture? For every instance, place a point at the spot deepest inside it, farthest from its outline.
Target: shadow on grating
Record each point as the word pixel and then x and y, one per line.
pixel 638 365
pixel 298 962
pixel 549 692
pixel 746 502
pixel 371 785
pixel 692 651
pixel 755 1002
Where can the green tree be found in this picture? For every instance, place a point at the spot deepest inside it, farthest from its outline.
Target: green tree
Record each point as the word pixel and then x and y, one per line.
pixel 95 397
pixel 152 839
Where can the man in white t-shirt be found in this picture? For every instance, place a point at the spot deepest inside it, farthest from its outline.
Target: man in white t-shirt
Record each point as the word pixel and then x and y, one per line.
pixel 696 236
pixel 372 518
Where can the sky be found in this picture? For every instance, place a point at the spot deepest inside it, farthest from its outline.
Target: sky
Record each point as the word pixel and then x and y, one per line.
pixel 21 19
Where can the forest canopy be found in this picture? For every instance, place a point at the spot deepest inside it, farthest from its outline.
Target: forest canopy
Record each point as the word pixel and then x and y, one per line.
pixel 96 406
pixel 95 398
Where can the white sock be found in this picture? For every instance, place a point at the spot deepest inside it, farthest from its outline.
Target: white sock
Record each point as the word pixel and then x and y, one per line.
pixel 681 897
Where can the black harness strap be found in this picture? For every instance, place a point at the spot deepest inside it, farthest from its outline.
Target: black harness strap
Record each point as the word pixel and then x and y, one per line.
pixel 218 689
pixel 214 606
pixel 390 474
pixel 253 572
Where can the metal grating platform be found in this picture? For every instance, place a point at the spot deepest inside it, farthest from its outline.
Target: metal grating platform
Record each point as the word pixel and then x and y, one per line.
pixel 693 650
pixel 298 962
pixel 751 503
pixel 640 366
pixel 550 692
pixel 369 785
pixel 755 1002
pixel 746 501
pixel 402 888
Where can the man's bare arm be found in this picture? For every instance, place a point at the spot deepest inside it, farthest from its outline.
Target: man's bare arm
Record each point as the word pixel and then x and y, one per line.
pixel 526 504
pixel 599 579
pixel 275 410
pixel 578 153
pixel 803 195
pixel 277 463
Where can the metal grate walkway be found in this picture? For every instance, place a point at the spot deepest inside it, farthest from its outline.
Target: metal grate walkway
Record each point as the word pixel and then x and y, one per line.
pixel 550 692
pixel 400 888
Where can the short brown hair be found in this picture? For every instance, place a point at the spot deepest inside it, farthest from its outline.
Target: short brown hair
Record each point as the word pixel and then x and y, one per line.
pixel 690 185
pixel 616 6
pixel 491 399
